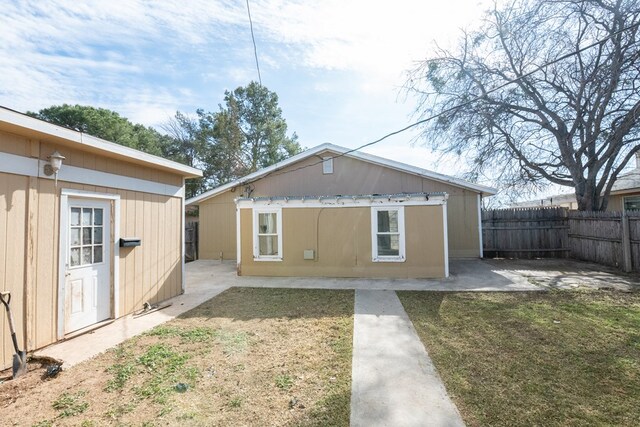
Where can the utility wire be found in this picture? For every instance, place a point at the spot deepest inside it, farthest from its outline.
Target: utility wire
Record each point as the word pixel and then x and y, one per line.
pixel 255 49
pixel 455 107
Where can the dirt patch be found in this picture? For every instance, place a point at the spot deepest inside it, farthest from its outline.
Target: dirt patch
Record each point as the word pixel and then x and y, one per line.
pixel 247 357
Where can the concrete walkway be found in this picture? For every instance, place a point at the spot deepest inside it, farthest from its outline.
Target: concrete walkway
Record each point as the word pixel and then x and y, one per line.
pixel 394 382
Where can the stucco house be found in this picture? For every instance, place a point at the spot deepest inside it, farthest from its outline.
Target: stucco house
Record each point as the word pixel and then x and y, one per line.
pixel 89 230
pixel 332 212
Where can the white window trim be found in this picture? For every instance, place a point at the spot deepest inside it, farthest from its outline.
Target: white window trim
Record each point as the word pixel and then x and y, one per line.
pixel 327 165
pixel 256 241
pixel 401 257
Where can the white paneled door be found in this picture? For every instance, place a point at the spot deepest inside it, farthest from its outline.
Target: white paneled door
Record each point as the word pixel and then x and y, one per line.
pixel 88 263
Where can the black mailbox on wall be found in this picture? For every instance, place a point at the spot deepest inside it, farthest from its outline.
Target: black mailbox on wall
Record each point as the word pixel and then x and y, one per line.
pixel 127 242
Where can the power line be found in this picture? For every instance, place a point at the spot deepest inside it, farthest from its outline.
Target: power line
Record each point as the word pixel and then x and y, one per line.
pixel 455 107
pixel 255 49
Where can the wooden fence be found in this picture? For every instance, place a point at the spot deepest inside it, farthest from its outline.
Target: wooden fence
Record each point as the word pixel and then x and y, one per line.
pixel 609 238
pixel 525 233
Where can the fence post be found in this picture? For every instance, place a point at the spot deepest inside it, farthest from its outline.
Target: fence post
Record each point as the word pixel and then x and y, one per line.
pixel 626 244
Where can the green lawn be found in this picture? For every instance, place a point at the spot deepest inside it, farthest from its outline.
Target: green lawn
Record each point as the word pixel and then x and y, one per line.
pixel 548 359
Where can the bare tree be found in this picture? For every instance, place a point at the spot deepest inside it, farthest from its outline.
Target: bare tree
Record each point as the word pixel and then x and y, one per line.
pixel 575 122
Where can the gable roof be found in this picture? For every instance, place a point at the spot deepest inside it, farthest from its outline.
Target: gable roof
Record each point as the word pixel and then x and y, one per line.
pixel 346 152
pixel 14 122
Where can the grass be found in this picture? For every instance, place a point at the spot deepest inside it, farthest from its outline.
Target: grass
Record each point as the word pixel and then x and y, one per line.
pixel 555 358
pixel 249 356
pixel 70 404
pixel 284 382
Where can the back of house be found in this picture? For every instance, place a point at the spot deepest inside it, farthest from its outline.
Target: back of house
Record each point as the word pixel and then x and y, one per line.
pixel 330 170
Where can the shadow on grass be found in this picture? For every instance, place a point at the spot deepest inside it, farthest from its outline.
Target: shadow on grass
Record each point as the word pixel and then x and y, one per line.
pixel 267 303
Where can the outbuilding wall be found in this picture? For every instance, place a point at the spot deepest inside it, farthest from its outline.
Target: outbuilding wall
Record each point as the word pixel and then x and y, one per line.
pixel 341 238
pixel 350 176
pixel 29 240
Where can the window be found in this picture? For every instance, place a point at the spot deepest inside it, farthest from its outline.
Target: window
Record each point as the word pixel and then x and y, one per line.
pixel 387 234
pixel 632 203
pixel 327 165
pixel 86 236
pixel 267 234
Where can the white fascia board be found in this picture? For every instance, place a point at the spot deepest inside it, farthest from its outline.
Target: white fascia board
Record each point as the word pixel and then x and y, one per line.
pixel 73 136
pixel 342 202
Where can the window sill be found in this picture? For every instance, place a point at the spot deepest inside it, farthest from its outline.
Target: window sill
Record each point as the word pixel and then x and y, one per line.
pixel 261 259
pixel 394 259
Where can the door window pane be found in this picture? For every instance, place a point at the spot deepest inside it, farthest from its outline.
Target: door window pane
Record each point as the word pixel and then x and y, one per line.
pixel 97 235
pixel 75 236
pixel 86 236
pixel 75 216
pixel 97 254
pixel 86 216
pixel 97 217
pixel 86 255
pixel 75 257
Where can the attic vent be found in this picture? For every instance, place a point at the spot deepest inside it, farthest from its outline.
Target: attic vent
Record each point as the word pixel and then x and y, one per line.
pixel 327 165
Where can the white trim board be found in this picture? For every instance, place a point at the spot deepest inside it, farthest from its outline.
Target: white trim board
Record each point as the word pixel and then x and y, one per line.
pixel 342 203
pixel 480 225
pixel 445 225
pixel 20 165
pixel 115 216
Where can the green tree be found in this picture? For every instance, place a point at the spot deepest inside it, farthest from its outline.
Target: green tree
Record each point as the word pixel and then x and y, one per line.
pixel 247 133
pixel 105 124
pixel 187 145
pixel 575 122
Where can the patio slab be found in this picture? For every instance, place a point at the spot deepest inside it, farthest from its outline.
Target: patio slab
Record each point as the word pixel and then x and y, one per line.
pixel 465 275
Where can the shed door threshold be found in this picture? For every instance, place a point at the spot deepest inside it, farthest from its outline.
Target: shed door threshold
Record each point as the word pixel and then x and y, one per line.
pixel 88 329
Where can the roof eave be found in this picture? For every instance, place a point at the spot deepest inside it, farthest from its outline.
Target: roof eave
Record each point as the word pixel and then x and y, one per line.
pixel 19 122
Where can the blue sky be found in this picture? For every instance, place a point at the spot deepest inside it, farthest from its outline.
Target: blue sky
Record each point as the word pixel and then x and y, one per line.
pixel 337 65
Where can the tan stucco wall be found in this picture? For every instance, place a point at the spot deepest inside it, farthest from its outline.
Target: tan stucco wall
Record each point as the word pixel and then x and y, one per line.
pixel 341 238
pixel 217 217
pixel 29 242
pixel 351 176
